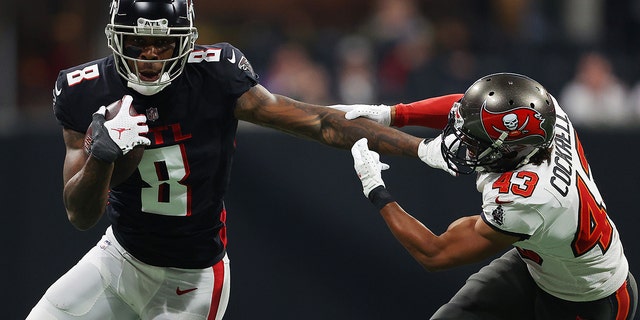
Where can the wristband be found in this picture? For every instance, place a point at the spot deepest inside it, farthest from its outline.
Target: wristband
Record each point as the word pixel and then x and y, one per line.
pixel 380 197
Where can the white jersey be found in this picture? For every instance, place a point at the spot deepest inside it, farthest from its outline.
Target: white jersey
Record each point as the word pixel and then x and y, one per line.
pixel 571 247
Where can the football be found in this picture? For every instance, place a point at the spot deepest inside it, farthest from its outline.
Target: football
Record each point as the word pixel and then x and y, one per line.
pixel 126 165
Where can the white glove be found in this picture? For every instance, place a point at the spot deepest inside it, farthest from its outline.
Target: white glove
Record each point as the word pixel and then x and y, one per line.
pixel 125 129
pixel 108 140
pixel 368 166
pixel 380 113
pixel 430 152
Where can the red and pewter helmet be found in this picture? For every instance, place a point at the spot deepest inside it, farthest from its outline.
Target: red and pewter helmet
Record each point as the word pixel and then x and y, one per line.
pixel 156 18
pixel 502 121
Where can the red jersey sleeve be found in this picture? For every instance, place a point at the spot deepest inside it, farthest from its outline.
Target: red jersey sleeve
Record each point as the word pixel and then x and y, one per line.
pixel 431 113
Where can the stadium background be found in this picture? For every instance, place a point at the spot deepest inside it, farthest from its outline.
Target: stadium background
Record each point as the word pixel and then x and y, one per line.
pixel 304 242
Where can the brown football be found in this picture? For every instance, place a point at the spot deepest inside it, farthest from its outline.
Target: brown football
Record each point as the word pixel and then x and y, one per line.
pixel 126 165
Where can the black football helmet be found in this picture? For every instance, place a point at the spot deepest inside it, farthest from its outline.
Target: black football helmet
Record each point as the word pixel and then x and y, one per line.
pixel 502 121
pixel 157 18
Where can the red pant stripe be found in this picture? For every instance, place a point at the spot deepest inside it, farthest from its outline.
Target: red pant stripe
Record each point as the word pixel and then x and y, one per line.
pixel 218 281
pixel 624 302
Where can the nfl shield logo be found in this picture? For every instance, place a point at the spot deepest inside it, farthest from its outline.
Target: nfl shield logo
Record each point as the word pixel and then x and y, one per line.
pixel 152 114
pixel 498 215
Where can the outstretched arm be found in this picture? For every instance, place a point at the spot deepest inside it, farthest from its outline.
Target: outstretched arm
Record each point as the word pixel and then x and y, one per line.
pixel 465 241
pixel 431 112
pixel 325 125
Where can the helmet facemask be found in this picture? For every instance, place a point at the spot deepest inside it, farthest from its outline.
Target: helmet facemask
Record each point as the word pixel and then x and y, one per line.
pixel 464 153
pixel 162 30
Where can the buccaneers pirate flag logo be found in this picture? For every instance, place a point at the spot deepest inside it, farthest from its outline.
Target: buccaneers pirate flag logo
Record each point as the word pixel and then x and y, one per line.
pixel 518 123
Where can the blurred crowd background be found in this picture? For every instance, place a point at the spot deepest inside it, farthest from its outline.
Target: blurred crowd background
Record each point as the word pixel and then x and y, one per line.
pixel 586 52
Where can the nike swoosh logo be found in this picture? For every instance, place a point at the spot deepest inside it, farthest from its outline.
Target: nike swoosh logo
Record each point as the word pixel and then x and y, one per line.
pixel 233 56
pixel 57 91
pixel 181 292
pixel 498 201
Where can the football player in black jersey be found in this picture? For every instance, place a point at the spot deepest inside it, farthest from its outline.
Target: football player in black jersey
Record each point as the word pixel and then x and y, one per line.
pixel 164 255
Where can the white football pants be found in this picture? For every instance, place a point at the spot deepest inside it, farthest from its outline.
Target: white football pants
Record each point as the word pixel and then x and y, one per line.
pixel 108 283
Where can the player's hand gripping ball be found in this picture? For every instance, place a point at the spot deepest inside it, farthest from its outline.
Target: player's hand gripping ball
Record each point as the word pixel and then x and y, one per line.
pixel 115 136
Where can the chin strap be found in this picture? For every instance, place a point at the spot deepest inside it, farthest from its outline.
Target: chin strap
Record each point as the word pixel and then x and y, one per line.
pixel 526 159
pixel 494 146
pixel 147 90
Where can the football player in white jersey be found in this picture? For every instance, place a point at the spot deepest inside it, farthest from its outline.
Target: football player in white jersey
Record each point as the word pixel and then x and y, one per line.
pixel 538 196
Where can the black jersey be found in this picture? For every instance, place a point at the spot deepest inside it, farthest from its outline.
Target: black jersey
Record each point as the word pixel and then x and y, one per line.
pixel 170 212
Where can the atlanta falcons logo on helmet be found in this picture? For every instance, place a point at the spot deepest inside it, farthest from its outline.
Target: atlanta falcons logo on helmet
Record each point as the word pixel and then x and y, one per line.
pixel 518 123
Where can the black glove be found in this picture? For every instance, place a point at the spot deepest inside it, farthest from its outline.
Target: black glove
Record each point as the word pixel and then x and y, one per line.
pixel 109 139
pixel 98 142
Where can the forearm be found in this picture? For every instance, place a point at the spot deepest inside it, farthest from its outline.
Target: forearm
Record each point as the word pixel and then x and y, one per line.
pixel 342 133
pixel 326 125
pixel 415 237
pixel 337 131
pixel 85 194
pixel 459 245
pixel 432 113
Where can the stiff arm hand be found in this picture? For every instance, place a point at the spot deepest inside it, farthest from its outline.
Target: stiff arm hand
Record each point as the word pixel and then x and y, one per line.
pixel 111 139
pixel 379 113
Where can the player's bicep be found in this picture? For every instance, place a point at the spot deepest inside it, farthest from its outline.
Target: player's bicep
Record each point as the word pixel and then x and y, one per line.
pixel 470 239
pixel 261 107
pixel 75 156
pixel 251 100
pixel 254 105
